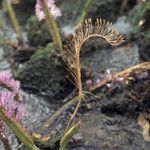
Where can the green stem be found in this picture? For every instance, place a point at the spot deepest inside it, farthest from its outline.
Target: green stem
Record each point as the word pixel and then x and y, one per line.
pixel 85 11
pixel 51 119
pixel 13 18
pixel 52 26
pixel 80 95
pixel 18 130
pixel 68 135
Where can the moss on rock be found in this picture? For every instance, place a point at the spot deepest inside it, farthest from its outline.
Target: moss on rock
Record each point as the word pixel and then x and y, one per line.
pixel 44 74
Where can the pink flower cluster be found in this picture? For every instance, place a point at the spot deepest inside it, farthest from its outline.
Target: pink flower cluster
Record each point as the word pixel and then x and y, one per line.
pixel 11 100
pixel 51 5
pixel 13 108
pixel 9 83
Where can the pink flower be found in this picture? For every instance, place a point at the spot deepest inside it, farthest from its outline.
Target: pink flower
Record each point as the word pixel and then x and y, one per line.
pixel 12 107
pixel 9 83
pixel 51 5
pixel 11 100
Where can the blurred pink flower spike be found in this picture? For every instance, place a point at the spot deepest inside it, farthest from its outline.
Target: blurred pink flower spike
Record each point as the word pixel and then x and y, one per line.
pixel 11 100
pixel 51 5
pixel 9 83
pixel 13 108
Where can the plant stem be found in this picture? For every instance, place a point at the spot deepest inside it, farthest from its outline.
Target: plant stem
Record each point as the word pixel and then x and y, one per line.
pixel 52 26
pixel 14 20
pixel 74 113
pixel 80 95
pixel 18 130
pixel 68 135
pixel 50 120
pixel 85 11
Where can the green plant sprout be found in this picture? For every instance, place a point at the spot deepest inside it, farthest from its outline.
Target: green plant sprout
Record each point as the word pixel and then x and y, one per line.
pixel 68 135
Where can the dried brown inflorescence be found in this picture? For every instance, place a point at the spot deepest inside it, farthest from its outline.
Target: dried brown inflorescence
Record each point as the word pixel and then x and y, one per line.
pixel 101 28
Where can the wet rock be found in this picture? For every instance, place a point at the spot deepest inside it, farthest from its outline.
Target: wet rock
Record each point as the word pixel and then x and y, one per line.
pixel 36 110
pixel 124 57
pixel 115 59
pixel 80 148
pixel 4 65
pixel 123 26
pixel 111 137
pixel 78 138
pixel 100 133
pixel 53 132
pixel 59 127
pixel 67 30
pixel 1 53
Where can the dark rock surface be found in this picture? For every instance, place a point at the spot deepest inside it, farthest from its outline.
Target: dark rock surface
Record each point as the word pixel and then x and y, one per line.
pixel 44 74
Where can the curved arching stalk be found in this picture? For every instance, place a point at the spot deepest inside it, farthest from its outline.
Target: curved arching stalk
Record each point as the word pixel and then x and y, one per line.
pixel 88 29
